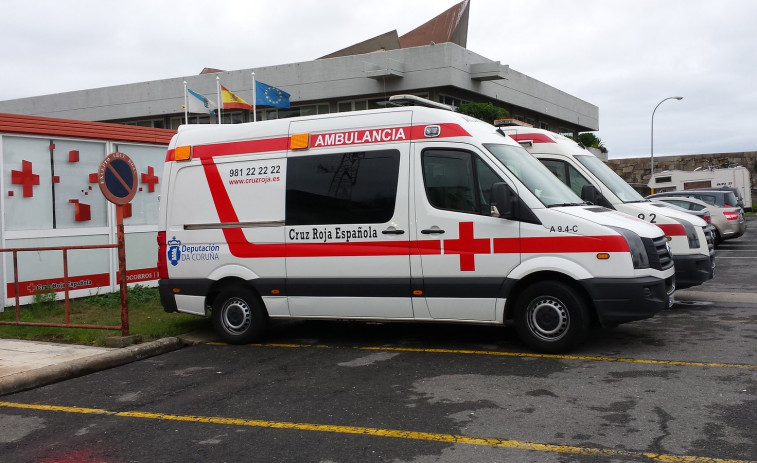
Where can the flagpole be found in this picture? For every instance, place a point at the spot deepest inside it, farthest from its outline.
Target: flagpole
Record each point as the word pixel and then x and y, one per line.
pixel 254 99
pixel 186 104
pixel 218 95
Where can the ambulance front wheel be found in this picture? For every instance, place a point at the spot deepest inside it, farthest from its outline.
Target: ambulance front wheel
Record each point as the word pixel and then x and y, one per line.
pixel 550 317
pixel 238 315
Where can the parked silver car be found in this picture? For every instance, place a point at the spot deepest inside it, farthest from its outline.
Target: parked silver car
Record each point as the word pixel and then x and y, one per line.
pixel 729 222
pixel 722 198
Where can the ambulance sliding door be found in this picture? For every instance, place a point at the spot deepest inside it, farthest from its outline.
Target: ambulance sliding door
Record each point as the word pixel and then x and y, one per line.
pixel 347 226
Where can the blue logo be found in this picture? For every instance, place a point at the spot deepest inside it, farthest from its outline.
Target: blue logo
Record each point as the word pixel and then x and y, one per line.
pixel 174 252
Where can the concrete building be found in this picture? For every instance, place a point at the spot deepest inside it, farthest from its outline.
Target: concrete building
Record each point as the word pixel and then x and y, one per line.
pixel 430 61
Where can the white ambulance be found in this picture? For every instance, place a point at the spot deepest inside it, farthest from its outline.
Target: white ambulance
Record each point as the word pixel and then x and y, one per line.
pixel 405 214
pixel 589 177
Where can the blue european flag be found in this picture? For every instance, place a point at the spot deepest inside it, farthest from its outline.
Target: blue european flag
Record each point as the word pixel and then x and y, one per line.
pixel 267 95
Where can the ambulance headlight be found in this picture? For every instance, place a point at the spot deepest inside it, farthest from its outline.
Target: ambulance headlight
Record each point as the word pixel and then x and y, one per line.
pixel 639 255
pixel 691 233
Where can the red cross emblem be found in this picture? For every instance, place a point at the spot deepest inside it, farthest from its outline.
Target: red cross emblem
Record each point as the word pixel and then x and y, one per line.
pixel 467 247
pixel 26 178
pixel 150 179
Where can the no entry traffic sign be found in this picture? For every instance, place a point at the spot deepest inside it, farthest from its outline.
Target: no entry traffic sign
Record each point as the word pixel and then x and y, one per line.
pixel 117 176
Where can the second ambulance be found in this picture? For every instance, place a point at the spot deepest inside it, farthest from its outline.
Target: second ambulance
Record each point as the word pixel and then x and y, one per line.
pixel 404 214
pixel 590 178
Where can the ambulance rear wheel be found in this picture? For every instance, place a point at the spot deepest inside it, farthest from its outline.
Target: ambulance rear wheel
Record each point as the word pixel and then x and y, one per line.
pixel 551 317
pixel 239 316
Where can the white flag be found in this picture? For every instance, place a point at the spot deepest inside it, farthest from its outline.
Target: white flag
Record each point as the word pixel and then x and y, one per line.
pixel 199 104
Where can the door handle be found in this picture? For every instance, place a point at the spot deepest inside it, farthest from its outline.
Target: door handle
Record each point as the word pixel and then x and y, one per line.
pixel 393 231
pixel 432 231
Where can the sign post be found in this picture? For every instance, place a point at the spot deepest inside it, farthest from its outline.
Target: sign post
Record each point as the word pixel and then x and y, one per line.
pixel 117 176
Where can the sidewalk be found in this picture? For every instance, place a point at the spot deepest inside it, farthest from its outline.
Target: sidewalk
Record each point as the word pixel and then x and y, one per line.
pixel 29 364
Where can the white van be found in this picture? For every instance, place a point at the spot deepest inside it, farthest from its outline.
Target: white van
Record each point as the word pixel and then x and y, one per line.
pixel 408 213
pixel 736 179
pixel 589 177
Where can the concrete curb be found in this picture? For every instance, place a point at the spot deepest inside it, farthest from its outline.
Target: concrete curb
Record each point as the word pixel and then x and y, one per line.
pixel 715 296
pixel 84 366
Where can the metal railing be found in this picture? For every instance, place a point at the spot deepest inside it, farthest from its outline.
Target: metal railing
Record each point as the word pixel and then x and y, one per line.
pixel 123 327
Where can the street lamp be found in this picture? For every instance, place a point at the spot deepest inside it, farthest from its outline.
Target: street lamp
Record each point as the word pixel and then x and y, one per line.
pixel 651 157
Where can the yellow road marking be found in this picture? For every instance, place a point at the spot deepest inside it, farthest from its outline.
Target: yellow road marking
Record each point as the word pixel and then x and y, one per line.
pixel 378 432
pixel 523 354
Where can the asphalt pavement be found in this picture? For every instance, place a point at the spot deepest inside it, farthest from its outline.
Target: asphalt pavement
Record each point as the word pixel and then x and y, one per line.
pixel 29 364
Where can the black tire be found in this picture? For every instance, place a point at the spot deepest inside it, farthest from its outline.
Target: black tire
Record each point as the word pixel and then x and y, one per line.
pixel 716 240
pixel 550 317
pixel 239 316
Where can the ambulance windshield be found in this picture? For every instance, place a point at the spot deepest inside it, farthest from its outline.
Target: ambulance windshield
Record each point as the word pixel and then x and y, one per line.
pixel 534 176
pixel 610 179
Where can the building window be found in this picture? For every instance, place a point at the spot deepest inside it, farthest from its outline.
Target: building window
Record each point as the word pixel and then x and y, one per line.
pixel 154 123
pixel 359 105
pixel 543 125
pixel 177 121
pixel 451 101
pixel 306 110
pixel 235 117
pixel 344 106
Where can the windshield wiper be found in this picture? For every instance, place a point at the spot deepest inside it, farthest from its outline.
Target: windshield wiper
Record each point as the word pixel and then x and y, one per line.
pixel 568 204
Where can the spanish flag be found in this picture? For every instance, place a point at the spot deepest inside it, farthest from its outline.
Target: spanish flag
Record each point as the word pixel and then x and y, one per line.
pixel 231 101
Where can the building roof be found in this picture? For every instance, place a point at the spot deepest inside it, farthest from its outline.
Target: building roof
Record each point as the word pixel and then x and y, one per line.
pixel 35 125
pixel 450 26
pixel 386 41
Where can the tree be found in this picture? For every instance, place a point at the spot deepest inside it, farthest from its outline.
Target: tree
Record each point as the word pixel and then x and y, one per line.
pixel 590 140
pixel 486 112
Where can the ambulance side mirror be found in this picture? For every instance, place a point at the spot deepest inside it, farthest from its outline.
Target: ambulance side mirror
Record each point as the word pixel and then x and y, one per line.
pixel 591 194
pixel 504 203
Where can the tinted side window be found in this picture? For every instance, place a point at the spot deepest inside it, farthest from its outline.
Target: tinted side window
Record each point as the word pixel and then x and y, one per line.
pixel 486 178
pixel 683 204
pixel 567 174
pixel 577 180
pixel 731 199
pixel 706 198
pixel 557 168
pixel 457 181
pixel 358 187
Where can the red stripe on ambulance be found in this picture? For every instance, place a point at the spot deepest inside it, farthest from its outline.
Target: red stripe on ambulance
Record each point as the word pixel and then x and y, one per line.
pixel 265 145
pixel 534 137
pixel 322 140
pixel 672 229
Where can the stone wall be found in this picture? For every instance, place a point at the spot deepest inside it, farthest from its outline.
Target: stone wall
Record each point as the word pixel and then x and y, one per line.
pixel 636 170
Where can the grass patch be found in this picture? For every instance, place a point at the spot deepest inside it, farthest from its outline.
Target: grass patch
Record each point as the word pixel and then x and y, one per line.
pixel 146 318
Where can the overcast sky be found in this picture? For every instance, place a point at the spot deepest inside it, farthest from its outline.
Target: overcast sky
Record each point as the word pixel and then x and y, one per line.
pixel 624 56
